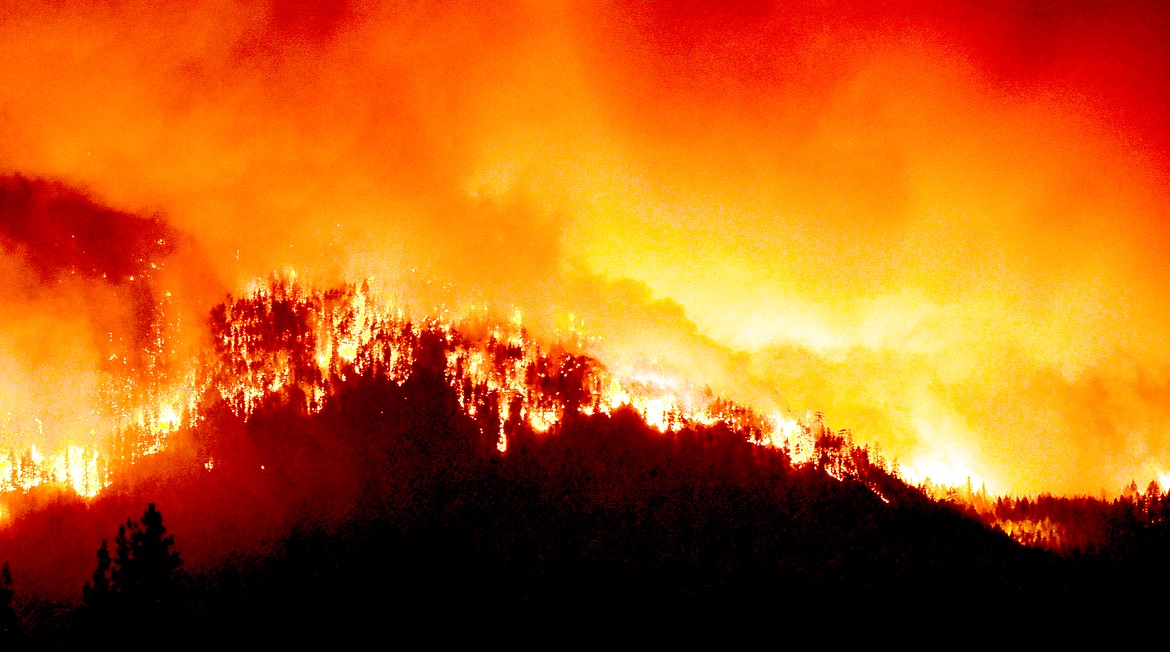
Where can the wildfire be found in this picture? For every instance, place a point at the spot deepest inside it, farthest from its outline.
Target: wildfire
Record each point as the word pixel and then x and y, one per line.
pixel 284 338
pixel 753 188
pixel 287 340
pixel 79 468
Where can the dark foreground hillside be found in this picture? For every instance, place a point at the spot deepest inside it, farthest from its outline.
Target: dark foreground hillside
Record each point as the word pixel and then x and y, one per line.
pixel 400 520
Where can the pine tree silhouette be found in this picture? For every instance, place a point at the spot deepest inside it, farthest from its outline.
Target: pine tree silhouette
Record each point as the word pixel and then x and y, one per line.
pixel 97 591
pixel 153 561
pixel 8 620
pixel 142 575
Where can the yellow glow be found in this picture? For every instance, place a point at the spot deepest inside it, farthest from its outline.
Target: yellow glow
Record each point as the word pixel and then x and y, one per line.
pixel 762 199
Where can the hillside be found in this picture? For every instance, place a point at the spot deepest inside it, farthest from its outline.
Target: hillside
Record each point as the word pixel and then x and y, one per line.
pixel 408 476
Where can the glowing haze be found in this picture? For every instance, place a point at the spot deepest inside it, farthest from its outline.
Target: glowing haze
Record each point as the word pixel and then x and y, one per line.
pixel 941 225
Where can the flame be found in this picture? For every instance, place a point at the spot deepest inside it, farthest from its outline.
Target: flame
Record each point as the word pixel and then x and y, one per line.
pixel 943 469
pixel 283 335
pixel 286 340
pixel 767 173
pixel 1162 478
pixel 78 468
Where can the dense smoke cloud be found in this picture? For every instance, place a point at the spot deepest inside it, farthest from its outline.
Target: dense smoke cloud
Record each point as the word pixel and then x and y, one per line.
pixel 942 225
pixel 58 231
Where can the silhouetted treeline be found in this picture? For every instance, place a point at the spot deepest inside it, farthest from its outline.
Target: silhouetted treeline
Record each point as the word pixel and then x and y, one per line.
pixel 1067 524
pixel 137 587
pixel 603 525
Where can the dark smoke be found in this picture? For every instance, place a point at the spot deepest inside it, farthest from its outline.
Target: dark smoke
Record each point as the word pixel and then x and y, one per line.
pixel 61 235
pixel 57 230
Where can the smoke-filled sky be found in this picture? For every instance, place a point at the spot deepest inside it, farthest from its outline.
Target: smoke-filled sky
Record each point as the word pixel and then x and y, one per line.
pixel 942 224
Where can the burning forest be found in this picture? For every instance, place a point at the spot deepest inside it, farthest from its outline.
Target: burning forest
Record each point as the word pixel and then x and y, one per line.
pixel 332 409
pixel 578 317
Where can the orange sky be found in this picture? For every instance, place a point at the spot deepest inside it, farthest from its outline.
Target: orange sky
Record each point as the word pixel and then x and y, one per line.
pixel 940 224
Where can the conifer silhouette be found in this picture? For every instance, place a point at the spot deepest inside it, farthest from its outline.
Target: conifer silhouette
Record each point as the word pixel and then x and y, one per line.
pixel 143 572
pixel 8 620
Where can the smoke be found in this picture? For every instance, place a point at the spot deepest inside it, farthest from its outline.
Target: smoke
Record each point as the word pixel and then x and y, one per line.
pixel 79 296
pixel 940 224
pixel 59 231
